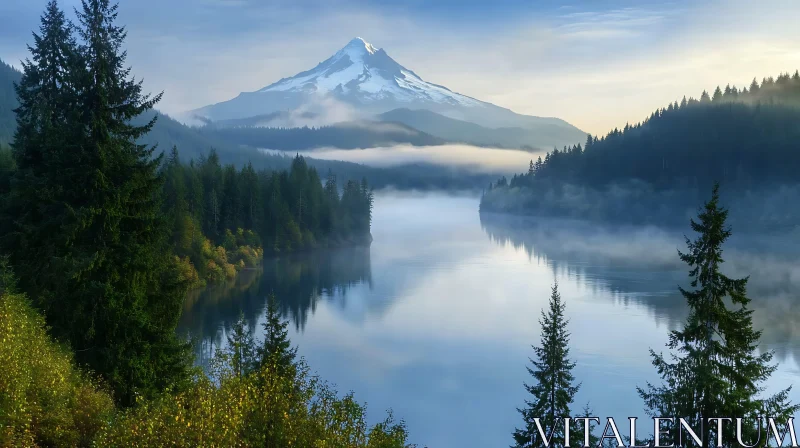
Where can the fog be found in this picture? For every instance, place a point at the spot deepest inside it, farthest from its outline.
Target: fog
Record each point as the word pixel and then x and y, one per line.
pixel 641 264
pixel 473 158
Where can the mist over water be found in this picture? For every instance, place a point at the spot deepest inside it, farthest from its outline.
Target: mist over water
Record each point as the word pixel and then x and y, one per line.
pixel 474 158
pixel 436 318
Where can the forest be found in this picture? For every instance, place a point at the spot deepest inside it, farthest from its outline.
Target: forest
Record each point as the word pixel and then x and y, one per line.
pixel 745 139
pixel 242 211
pixel 348 135
pixel 93 225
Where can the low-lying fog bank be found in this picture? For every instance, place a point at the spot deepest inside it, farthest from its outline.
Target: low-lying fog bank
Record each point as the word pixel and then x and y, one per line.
pixel 473 158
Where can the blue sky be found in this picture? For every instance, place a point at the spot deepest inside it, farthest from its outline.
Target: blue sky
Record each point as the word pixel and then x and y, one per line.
pixel 597 64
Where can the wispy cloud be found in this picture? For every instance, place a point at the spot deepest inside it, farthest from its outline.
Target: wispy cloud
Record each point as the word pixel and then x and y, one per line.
pixel 595 64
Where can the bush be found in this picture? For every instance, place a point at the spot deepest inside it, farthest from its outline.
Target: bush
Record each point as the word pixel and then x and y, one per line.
pixel 260 409
pixel 44 399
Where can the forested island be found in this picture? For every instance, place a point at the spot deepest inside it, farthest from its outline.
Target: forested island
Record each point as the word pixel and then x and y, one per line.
pixel 97 231
pixel 656 171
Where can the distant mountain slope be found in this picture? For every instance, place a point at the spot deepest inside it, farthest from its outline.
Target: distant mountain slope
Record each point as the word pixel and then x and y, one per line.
pixel 369 81
pixel 348 135
pixel 194 143
pixel 540 136
pixel 748 140
pixel 8 102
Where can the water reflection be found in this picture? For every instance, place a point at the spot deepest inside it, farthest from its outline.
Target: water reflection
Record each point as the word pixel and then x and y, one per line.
pixel 641 264
pixel 436 318
pixel 299 282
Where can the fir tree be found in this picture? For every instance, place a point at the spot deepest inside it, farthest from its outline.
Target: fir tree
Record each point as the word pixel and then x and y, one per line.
pixel 277 350
pixel 554 390
pixel 93 245
pixel 715 367
pixel 240 351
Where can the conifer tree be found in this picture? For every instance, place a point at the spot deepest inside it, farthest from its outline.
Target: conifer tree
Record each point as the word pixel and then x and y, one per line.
pixel 240 351
pixel 554 390
pixel 94 249
pixel 46 95
pixel 277 350
pixel 715 367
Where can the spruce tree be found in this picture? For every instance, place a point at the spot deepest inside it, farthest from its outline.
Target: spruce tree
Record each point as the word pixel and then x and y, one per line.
pixel 554 390
pixel 277 350
pixel 715 368
pixel 46 94
pixel 92 244
pixel 240 351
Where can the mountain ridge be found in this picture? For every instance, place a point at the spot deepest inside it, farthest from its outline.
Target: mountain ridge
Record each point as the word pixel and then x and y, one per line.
pixel 369 82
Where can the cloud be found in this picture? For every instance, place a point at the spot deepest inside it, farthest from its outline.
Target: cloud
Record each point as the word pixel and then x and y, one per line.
pixel 597 65
pixel 473 158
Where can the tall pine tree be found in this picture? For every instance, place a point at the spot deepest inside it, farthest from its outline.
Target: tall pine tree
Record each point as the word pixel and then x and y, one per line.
pixel 715 367
pixel 91 245
pixel 277 350
pixel 554 390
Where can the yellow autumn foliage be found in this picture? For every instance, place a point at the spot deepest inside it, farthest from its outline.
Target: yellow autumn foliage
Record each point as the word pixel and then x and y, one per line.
pixel 44 399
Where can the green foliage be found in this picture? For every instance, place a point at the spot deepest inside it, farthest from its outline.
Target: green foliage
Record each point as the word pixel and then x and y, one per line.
pixel 363 134
pixel 715 367
pixel 82 222
pixel 554 390
pixel 263 409
pixel 745 139
pixel 44 399
pixel 8 102
pixel 286 210
pixel 276 351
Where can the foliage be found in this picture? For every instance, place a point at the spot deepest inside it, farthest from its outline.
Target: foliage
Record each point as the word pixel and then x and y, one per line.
pixel 82 222
pixel 745 139
pixel 8 101
pixel 44 399
pixel 554 390
pixel 276 350
pixel 715 367
pixel 252 399
pixel 260 409
pixel 282 211
pixel 364 134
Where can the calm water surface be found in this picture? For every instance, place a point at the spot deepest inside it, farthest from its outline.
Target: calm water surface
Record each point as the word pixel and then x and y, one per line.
pixel 435 319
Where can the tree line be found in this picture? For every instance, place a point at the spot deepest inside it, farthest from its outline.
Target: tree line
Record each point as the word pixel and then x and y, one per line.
pixel 745 138
pixel 349 135
pixel 713 368
pixel 242 210
pixel 90 221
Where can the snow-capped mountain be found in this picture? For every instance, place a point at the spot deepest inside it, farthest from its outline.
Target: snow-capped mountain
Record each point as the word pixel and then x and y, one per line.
pixel 365 81
pixel 366 74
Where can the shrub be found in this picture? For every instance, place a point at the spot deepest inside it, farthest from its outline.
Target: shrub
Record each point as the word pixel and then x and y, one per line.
pixel 260 409
pixel 44 399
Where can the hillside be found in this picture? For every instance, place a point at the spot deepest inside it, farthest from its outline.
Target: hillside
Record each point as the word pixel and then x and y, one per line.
pixel 348 135
pixel 194 143
pixel 748 140
pixel 8 102
pixel 366 81
pixel 543 135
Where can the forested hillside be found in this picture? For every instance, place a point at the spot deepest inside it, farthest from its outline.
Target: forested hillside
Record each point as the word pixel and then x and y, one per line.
pixel 346 135
pixel 287 210
pixel 8 102
pixel 746 139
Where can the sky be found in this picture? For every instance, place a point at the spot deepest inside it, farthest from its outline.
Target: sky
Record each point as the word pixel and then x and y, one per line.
pixel 597 64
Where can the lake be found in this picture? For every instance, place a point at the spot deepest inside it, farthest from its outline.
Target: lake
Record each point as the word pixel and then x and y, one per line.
pixel 435 320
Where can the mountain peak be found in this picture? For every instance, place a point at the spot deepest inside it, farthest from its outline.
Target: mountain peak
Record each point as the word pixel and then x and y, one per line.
pixel 362 74
pixel 358 43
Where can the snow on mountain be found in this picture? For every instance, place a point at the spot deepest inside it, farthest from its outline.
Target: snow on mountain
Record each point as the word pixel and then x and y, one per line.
pixel 368 74
pixel 361 82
